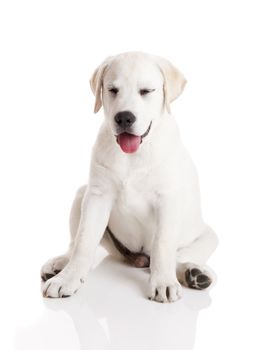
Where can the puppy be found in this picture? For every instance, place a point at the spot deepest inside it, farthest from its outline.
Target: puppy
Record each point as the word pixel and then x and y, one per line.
pixel 142 198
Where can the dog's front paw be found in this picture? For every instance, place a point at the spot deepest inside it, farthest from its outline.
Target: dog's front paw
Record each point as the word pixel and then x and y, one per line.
pixel 165 290
pixel 61 286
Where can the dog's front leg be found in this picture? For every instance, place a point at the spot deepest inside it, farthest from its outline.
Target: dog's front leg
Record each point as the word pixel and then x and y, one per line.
pixel 164 286
pixel 95 214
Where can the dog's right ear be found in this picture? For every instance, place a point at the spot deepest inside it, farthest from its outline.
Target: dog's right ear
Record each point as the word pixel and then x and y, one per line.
pixel 96 83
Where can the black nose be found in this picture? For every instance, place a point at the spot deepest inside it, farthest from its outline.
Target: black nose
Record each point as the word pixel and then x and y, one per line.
pixel 125 119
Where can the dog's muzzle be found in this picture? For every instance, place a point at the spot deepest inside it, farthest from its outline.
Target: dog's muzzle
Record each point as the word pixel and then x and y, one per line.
pixel 130 143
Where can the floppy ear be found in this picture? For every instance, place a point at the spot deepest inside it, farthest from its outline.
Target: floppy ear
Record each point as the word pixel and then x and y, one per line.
pixel 174 81
pixel 96 84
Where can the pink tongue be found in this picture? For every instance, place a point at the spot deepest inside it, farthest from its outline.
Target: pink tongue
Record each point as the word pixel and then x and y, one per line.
pixel 129 143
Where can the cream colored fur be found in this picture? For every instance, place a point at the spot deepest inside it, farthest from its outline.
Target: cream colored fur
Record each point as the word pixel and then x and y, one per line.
pixel 150 198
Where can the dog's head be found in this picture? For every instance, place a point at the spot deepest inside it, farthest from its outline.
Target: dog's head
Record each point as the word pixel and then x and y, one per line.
pixel 134 88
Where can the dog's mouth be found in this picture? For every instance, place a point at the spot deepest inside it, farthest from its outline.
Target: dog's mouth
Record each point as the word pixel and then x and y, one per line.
pixel 130 143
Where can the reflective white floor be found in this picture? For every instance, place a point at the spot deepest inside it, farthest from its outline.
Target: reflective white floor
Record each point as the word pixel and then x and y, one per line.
pixel 111 312
pixel 48 52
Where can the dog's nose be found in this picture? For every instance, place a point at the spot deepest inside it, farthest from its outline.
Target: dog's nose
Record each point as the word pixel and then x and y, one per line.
pixel 125 119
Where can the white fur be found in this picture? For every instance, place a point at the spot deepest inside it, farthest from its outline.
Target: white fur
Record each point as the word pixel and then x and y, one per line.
pixel 149 198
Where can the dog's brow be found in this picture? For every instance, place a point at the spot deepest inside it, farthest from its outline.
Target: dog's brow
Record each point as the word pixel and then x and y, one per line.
pixel 146 85
pixel 113 84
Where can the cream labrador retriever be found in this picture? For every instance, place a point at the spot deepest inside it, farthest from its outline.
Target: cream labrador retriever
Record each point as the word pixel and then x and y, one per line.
pixel 142 199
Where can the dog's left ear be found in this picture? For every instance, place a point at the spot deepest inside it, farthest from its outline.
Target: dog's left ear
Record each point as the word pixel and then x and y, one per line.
pixel 174 81
pixel 96 83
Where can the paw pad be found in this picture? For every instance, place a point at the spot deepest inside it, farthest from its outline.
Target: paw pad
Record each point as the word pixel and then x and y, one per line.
pixel 197 279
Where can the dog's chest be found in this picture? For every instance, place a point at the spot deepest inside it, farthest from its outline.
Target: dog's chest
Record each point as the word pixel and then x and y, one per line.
pixel 132 218
pixel 135 197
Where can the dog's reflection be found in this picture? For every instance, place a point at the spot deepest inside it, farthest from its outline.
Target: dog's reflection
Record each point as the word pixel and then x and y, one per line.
pixel 107 314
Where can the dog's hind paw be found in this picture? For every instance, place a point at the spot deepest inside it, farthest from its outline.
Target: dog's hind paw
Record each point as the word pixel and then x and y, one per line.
pixel 53 266
pixel 197 278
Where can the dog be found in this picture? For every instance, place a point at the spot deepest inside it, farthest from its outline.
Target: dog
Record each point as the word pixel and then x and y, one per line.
pixel 142 199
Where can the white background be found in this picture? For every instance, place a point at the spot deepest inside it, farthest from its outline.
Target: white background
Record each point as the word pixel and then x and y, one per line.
pixel 49 49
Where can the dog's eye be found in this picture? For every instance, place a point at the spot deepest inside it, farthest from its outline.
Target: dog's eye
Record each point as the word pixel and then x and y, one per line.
pixel 145 91
pixel 114 91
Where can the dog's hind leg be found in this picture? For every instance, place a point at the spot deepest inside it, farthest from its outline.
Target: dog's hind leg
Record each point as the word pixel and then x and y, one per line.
pixel 56 264
pixel 53 266
pixel 191 270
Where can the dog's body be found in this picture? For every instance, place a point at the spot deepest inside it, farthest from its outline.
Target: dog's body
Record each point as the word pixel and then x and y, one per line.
pixel 142 200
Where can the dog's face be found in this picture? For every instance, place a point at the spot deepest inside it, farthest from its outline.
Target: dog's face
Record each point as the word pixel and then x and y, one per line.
pixel 132 99
pixel 134 88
